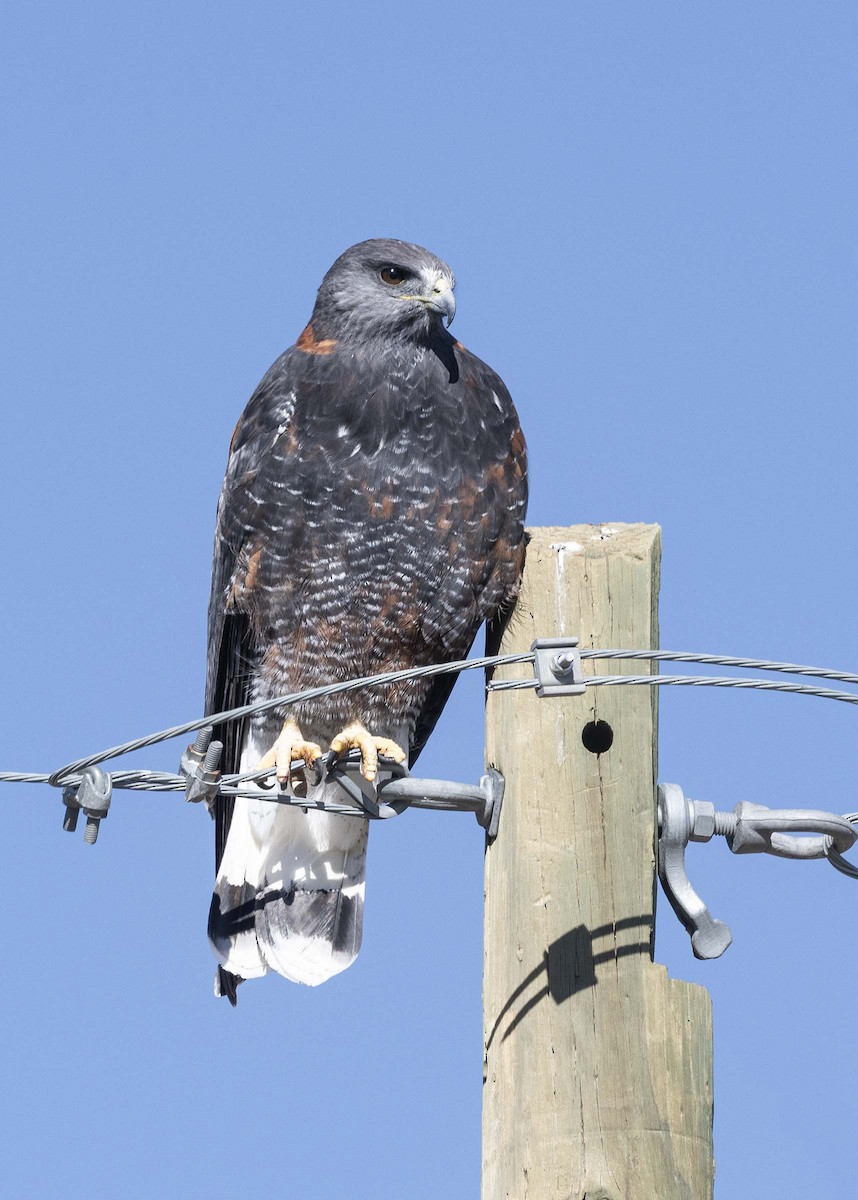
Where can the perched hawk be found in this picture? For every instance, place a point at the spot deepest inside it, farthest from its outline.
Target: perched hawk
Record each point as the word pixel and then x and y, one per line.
pixel 371 519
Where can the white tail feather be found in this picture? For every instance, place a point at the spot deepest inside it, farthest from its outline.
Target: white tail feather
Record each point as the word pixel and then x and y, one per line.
pixel 290 889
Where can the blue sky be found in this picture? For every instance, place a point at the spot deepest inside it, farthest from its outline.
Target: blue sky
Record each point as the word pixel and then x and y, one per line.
pixel 649 209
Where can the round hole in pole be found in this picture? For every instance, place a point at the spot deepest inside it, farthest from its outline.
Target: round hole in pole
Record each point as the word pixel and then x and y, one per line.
pixel 597 737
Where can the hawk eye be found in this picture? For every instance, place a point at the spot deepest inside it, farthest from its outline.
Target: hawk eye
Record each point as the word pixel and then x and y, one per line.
pixel 392 275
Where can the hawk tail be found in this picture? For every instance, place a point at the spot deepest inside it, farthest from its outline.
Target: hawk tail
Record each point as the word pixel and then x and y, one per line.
pixel 226 984
pixel 289 894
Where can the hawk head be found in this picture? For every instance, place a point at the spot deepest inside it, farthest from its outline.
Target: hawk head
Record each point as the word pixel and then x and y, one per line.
pixel 384 287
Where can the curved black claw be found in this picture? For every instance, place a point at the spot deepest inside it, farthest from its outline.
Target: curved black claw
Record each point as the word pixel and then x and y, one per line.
pixel 328 762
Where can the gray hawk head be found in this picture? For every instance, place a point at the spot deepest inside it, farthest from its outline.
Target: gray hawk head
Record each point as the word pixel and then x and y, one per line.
pixel 383 287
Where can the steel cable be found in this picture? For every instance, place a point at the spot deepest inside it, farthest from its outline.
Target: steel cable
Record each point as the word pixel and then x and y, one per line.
pixel 142 780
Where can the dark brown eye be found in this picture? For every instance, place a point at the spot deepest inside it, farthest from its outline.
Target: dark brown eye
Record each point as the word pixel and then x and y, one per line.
pixel 392 275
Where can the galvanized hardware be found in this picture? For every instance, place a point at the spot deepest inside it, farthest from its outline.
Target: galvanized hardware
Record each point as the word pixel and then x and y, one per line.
pixel 748 829
pixel 396 791
pixel 367 796
pixel 484 800
pixel 72 808
pixel 195 753
pixel 92 797
pixel 200 767
pixel 676 817
pixel 836 858
pixel 557 667
pixel 755 829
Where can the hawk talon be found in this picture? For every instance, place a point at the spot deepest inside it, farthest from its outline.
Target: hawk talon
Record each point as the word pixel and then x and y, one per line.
pixel 298 783
pixel 290 747
pixel 298 776
pixel 351 757
pixel 357 736
pixel 298 767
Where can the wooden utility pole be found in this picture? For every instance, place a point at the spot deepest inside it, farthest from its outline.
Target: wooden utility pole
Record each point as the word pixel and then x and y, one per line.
pixel 598 1067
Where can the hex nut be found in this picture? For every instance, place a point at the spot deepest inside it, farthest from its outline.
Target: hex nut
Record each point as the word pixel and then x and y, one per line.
pixel 704 821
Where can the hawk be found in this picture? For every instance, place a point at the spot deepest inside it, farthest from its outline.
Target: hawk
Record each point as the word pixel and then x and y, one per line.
pixel 371 518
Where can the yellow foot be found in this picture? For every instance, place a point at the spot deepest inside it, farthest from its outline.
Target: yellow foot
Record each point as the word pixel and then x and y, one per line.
pixel 356 736
pixel 289 745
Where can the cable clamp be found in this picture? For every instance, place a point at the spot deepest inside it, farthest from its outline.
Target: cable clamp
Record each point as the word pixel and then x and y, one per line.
pixel 200 768
pixel 557 667
pixel 92 797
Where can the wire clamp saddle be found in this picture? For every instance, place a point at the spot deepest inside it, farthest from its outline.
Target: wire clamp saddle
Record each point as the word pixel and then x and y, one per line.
pixel 557 667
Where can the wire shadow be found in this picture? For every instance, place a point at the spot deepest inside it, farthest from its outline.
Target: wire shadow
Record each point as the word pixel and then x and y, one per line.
pixel 569 965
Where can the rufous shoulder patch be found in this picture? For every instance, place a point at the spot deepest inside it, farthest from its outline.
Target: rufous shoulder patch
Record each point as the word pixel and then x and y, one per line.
pixel 307 342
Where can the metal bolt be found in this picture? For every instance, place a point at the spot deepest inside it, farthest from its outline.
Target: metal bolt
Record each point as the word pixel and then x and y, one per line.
pixel 93 798
pixel 204 736
pixel 562 663
pixel 72 809
pixel 706 823
pixel 203 778
pixel 725 824
pixel 211 762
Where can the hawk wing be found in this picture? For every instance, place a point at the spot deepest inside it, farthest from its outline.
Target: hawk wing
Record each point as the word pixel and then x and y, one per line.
pixel 233 651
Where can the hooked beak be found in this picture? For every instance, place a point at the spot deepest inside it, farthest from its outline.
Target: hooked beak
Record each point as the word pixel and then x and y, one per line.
pixel 439 298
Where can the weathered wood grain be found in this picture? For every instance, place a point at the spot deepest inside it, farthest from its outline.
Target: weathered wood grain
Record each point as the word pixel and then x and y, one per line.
pixel 598 1067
